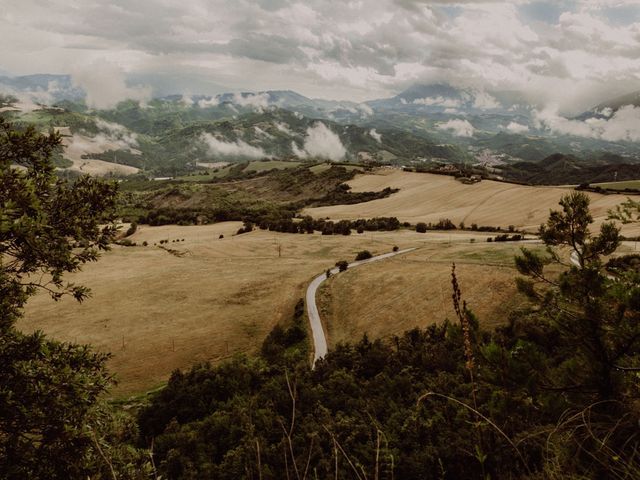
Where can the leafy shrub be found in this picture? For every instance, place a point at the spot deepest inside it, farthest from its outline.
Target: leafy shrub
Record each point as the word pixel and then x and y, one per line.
pixel 421 227
pixel 342 265
pixel 131 230
pixel 363 255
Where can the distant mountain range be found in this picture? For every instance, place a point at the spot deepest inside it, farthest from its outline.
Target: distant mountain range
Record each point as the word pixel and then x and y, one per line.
pixel 423 125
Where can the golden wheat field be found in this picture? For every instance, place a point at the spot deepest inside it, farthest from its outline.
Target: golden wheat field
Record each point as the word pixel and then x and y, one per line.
pixel 426 197
pixel 414 290
pixel 211 298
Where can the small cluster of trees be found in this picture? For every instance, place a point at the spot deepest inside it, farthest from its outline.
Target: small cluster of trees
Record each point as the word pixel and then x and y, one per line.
pixel 442 224
pixel 363 255
pixel 446 224
pixel 506 238
pixel 308 224
pixel 342 196
pixel 624 263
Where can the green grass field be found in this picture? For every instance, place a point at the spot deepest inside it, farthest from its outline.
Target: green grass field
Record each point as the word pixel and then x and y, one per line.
pixel 260 166
pixel 619 185
pixel 322 167
pixel 256 166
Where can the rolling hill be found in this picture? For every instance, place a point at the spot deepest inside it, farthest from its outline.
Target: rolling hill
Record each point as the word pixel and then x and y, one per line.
pixel 428 198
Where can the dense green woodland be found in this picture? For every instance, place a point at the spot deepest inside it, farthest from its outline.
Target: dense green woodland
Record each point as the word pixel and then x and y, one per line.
pixel 553 393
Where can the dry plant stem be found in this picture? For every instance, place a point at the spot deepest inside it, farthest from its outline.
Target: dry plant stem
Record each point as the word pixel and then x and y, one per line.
pixel 306 468
pixel 104 457
pixel 286 461
pixel 462 314
pixel 375 474
pixel 486 419
pixel 259 460
pixel 153 463
pixel 337 444
pixel 335 453
pixel 292 425
pixel 621 468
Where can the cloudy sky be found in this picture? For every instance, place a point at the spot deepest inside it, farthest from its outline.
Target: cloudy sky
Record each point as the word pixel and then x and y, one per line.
pixel 560 51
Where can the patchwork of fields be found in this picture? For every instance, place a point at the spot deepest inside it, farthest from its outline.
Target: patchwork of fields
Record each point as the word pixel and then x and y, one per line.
pixel 212 298
pixel 199 297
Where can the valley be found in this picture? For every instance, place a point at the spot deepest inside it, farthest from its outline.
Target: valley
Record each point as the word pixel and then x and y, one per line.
pixel 221 297
pixel 283 239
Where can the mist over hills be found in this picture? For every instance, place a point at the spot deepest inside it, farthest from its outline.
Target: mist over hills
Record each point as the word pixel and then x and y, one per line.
pixel 423 125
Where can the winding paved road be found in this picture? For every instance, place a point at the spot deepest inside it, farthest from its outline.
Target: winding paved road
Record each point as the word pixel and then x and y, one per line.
pixel 319 340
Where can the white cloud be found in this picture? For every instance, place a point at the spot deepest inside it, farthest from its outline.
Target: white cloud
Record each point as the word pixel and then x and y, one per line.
pixel 284 128
pixel 515 127
pixel 116 133
pixel 258 101
pixel 623 125
pixel 105 86
pixel 459 128
pixel 297 151
pixel 320 142
pixel 310 46
pixel 262 133
pixel 484 101
pixel 208 102
pixel 438 102
pixel 365 109
pixel 377 136
pixel 237 149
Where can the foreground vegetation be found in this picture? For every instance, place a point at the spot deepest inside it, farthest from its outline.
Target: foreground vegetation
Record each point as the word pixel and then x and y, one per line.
pixel 550 395
pixel 553 394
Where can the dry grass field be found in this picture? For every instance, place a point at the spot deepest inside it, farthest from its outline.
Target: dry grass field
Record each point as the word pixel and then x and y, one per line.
pixel 157 311
pixel 78 145
pixel 414 290
pixel 427 198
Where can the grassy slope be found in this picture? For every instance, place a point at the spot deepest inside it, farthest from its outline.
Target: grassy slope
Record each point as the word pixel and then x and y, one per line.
pixel 620 185
pixel 221 298
pixel 393 296
pixel 426 197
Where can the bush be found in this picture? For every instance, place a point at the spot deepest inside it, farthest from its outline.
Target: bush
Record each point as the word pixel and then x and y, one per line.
pixel 221 236
pixel 131 230
pixel 421 227
pixel 360 230
pixel 342 265
pixel 363 255
pixel 145 243
pixel 445 224
pixel 395 248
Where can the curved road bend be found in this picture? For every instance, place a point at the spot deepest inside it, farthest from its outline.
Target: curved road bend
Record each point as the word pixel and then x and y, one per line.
pixel 319 340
